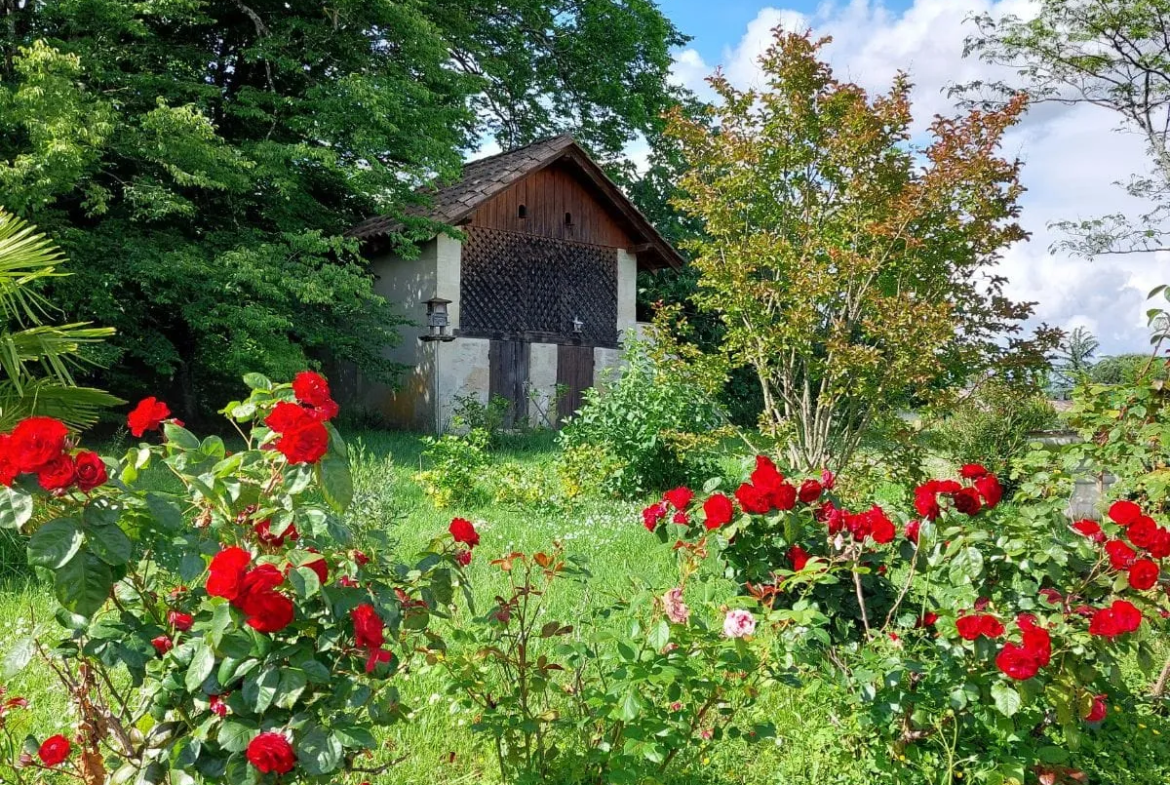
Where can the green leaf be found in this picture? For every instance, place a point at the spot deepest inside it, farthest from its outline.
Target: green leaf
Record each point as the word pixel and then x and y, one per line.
pixel 202 664
pixel 83 584
pixel 356 738
pixel 292 685
pixel 319 752
pixel 55 543
pixel 16 508
pixel 165 511
pixel 660 635
pixel 257 381
pixel 239 772
pixel 18 657
pixel 110 544
pixel 305 582
pixel 631 706
pixel 235 734
pixel 1007 700
pixel 260 689
pixel 336 483
pixel 178 436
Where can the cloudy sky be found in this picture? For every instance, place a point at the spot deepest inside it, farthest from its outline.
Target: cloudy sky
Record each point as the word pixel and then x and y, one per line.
pixel 1071 156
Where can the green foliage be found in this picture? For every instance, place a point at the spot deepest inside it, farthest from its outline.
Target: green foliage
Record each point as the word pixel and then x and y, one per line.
pixel 655 426
pixel 850 277
pixel 990 426
pixel 473 415
pixel 201 162
pixel 457 464
pixel 39 360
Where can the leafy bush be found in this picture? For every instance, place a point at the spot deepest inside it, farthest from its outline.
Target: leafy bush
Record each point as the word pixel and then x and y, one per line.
pixel 991 425
pixel 977 641
pixel 655 426
pixel 457 462
pixel 227 632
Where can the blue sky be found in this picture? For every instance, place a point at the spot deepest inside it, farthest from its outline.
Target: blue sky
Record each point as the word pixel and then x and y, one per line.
pixel 874 39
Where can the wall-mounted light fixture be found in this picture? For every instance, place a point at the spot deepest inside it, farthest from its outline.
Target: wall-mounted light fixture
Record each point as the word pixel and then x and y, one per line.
pixel 437 320
pixel 578 325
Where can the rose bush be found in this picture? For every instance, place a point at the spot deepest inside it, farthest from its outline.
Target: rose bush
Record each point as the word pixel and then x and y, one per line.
pixel 227 631
pixel 973 640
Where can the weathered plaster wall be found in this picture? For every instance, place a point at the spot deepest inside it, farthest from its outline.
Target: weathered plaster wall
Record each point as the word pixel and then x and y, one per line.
pixel 464 368
pixel 542 384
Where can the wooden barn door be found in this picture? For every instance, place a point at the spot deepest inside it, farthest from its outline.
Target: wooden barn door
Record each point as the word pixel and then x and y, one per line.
pixel 575 373
pixel 508 377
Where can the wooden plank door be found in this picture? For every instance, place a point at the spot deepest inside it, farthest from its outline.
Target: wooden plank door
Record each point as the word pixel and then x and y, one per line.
pixel 575 375
pixel 508 377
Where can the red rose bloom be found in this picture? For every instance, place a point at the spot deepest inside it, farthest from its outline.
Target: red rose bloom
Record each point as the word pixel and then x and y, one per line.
pixel 8 470
pixel 928 619
pixel 973 471
pixel 1142 532
pixel 312 390
pixel 321 567
pixel 926 500
pixel 1118 619
pixel 269 611
pixel 463 557
pixel 162 644
pixel 990 626
pixel 148 415
pixel 58 474
pixel 990 489
pixel 1098 710
pixel 1160 547
pixel 783 496
pixel 1121 556
pixel 912 529
pixel 367 627
pixel 35 441
pixel 1124 512
pixel 1016 662
pixel 717 511
pixel 227 571
pixel 180 621
pixel 681 518
pixel 376 657
pixel 264 533
pixel 1051 596
pixel 810 491
pixel 90 470
pixel 798 557
pixel 1143 574
pixel 271 753
pixel 261 580
pixel 304 445
pixel 752 500
pixel 652 515
pixel 218 706
pixel 462 530
pixel 1090 529
pixel 54 750
pixel 679 498
pixel 286 417
pixel 971 627
pixel 766 475
pixel 967 501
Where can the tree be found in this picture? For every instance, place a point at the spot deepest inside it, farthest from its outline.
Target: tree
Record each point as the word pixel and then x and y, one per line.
pixel 200 161
pixel 854 271
pixel 1113 54
pixel 39 359
pixel 1074 353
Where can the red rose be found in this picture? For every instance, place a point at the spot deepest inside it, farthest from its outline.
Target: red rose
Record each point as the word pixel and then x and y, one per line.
pixel 990 626
pixel 1051 596
pixel 360 559
pixel 1016 662
pixel 58 474
pixel 321 567
pixel 969 627
pixel 681 518
pixel 1118 619
pixel 1160 547
pixel 227 571
pixel 8 470
pixel 463 557
pixel 990 489
pixel 376 657
pixel 54 750
pixel 312 390
pixel 264 533
pixel 269 611
pixel 1143 574
pixel 752 500
pixel 828 479
pixel 766 475
pixel 679 498
pixel 783 496
pixel 1121 556
pixel 912 529
pixel 650 516
pixel 36 441
pixel 810 491
pixel 1124 512
pixel 90 470
pixel 1142 532
pixel 180 621
pixel 162 644
pixel 876 524
pixel 148 415
pixel 928 619
pixel 967 501
pixel 462 530
pixel 973 471
pixel 258 581
pixel 798 557
pixel 304 445
pixel 271 753
pixel 1098 710
pixel 926 500
pixel 717 511
pixel 218 706
pixel 1090 529
pixel 367 627
pixel 286 417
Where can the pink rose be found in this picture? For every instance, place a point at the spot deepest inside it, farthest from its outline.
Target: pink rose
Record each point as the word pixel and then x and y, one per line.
pixel 738 624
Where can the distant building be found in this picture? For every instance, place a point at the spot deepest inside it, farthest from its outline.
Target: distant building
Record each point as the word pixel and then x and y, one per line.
pixel 539 294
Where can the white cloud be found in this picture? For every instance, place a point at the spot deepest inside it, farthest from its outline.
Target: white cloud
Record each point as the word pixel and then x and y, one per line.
pixel 1072 156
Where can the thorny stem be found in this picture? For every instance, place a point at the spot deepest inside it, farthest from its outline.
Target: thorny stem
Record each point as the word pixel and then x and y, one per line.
pixel 861 600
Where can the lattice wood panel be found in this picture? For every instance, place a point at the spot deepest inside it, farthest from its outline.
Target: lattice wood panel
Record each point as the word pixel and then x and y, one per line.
pixel 517 285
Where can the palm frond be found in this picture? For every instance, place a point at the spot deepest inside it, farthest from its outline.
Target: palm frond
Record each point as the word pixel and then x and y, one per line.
pixel 77 407
pixel 25 256
pixel 55 349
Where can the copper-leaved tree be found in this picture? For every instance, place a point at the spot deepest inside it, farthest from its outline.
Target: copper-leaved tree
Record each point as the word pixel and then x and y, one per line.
pixel 854 268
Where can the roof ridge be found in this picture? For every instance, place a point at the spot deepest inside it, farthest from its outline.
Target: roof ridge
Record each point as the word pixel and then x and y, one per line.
pixel 543 140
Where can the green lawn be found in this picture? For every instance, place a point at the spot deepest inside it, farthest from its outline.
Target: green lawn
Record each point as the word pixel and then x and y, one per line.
pixel 438 745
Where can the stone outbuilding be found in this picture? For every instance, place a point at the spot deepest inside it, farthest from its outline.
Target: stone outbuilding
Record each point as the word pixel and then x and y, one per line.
pixel 537 294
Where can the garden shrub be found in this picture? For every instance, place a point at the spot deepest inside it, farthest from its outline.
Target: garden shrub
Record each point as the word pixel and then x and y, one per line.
pixel 227 632
pixel 656 425
pixel 978 641
pixel 457 463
